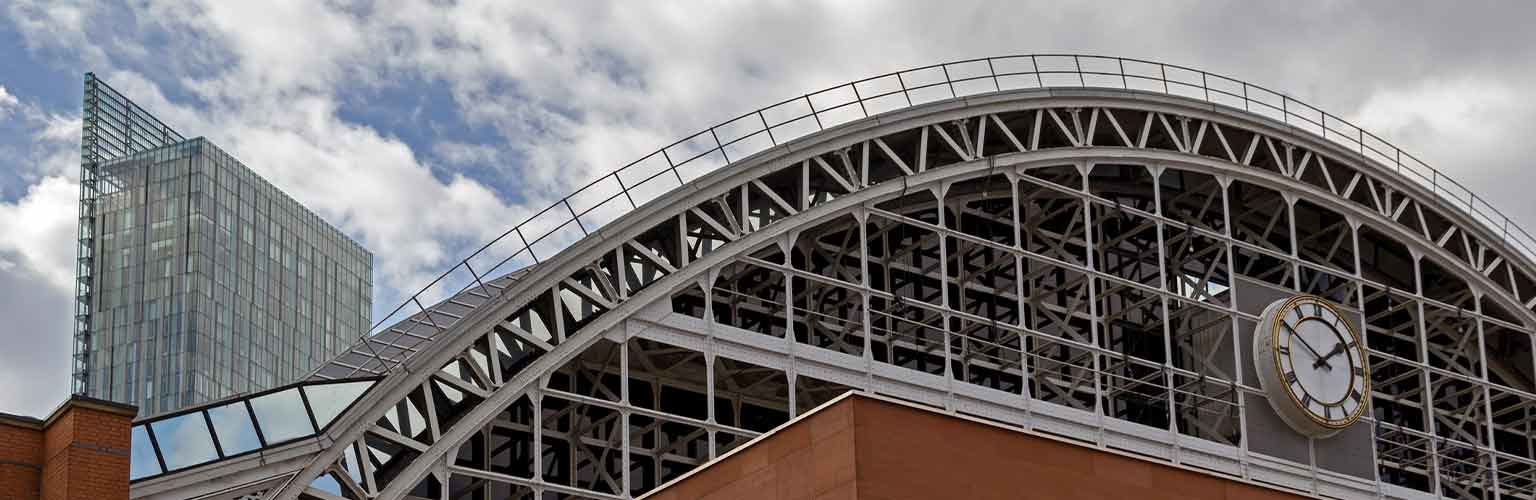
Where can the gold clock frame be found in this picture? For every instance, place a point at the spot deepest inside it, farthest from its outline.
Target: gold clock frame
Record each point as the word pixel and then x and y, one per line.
pixel 1281 309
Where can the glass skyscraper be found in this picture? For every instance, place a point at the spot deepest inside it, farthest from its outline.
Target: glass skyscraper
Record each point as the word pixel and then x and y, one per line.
pixel 197 278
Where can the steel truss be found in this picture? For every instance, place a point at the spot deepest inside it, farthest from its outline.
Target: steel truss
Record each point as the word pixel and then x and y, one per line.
pixel 1062 261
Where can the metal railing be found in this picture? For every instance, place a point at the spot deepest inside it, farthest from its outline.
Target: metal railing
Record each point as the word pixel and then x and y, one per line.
pixel 604 199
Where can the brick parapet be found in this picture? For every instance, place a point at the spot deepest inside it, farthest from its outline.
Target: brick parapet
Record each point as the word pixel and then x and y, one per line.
pixel 81 451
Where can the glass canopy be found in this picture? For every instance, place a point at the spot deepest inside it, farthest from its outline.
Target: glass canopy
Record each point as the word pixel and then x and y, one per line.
pixel 227 429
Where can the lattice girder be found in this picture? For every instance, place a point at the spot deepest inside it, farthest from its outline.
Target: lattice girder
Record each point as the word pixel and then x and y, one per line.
pixel 777 207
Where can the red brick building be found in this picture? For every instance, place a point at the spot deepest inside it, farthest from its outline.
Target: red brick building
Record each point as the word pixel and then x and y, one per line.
pixel 864 447
pixel 80 451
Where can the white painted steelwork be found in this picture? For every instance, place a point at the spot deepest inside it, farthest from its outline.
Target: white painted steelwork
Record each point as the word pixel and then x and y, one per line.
pixel 1080 261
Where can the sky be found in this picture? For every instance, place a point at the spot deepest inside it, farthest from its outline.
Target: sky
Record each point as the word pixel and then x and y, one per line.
pixel 424 128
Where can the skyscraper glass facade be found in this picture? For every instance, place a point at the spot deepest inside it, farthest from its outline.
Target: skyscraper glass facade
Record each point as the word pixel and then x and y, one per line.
pixel 200 280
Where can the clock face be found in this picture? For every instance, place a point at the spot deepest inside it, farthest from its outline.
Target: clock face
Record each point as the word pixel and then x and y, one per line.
pixel 1312 365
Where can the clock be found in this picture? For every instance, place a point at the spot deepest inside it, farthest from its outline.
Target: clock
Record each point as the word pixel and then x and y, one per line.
pixel 1311 364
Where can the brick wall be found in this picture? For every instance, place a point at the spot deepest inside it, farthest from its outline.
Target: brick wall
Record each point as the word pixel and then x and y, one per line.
pixel 870 449
pixel 810 459
pixel 21 457
pixel 80 452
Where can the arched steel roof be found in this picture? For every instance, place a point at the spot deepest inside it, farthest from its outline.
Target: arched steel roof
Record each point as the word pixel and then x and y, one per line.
pixel 792 118
pixel 589 268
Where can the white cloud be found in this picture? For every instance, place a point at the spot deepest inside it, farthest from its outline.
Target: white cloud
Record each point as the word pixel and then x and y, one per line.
pixel 39 231
pixel 274 106
pixel 8 102
pixel 37 255
pixel 1469 128
pixel 51 146
pixel 280 46
pixel 1466 110
pixel 465 154
pixel 51 25
pixel 60 128
pixel 34 367
pixel 373 187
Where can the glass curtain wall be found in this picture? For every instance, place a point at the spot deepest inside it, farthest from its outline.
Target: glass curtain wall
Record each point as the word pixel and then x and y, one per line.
pixel 211 282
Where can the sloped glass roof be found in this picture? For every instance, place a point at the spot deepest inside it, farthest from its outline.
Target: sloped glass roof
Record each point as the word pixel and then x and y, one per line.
pixel 178 441
pixel 253 422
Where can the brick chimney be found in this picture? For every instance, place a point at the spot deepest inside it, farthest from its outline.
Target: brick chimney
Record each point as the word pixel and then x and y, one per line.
pixel 80 452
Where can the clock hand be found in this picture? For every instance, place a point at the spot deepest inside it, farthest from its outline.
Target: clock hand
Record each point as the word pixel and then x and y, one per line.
pixel 1321 362
pixel 1303 340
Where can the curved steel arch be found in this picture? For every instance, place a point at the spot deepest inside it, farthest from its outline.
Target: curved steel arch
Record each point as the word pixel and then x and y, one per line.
pixel 514 388
pixel 506 326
